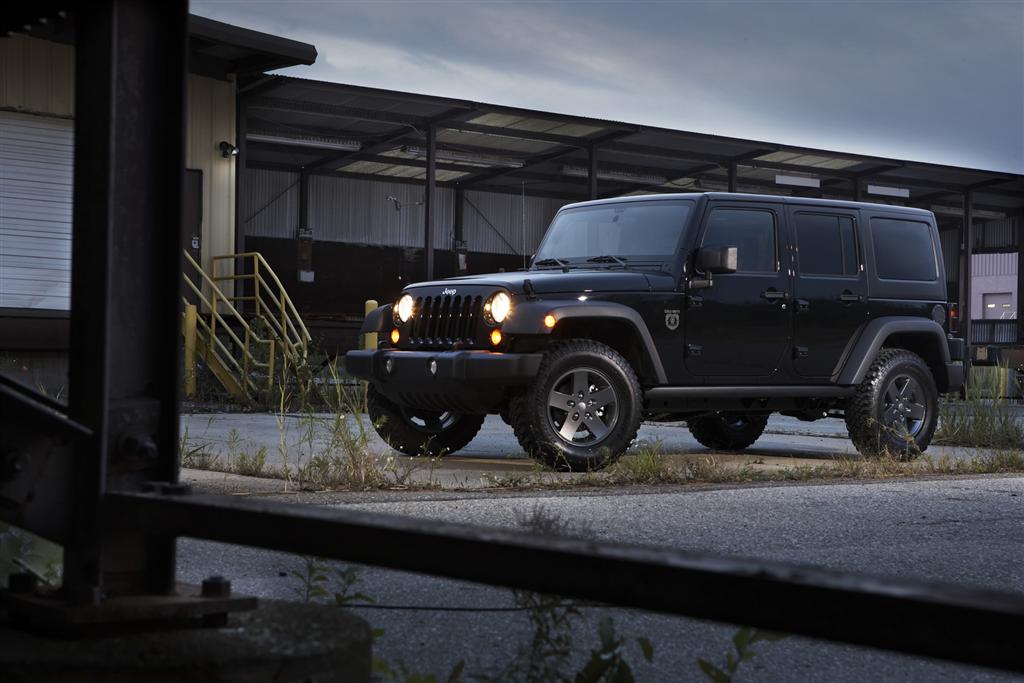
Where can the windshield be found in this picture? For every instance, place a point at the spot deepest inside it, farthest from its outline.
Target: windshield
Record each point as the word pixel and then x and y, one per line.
pixel 615 234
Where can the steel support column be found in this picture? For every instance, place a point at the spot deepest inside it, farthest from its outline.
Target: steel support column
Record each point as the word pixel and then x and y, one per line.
pixel 592 171
pixel 1020 279
pixel 130 65
pixel 459 229
pixel 241 128
pixel 428 202
pixel 733 173
pixel 966 266
pixel 304 199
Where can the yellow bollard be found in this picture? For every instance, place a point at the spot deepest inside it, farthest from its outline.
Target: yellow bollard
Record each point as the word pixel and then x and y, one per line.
pixel 190 349
pixel 370 338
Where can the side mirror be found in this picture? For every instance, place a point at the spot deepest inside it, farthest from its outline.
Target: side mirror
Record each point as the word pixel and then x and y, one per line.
pixel 719 260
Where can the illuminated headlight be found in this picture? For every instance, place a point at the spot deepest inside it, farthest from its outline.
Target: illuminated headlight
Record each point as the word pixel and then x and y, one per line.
pixel 499 307
pixel 403 309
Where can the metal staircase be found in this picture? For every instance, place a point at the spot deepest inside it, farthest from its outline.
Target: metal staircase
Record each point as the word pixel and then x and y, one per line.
pixel 249 339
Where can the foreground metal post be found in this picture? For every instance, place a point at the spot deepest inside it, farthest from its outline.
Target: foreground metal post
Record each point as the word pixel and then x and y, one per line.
pixel 129 165
pixel 370 338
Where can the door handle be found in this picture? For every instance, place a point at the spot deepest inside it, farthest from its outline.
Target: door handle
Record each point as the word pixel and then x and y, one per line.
pixel 774 294
pixel 850 298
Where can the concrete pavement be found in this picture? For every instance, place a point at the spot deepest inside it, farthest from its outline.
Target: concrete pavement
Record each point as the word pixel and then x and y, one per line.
pixel 966 531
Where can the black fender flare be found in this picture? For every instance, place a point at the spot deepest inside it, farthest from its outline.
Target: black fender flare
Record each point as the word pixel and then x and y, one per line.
pixel 874 335
pixel 377 320
pixel 528 318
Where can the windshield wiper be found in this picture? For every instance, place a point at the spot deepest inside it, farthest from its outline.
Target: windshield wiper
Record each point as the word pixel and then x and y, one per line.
pixel 608 258
pixel 552 262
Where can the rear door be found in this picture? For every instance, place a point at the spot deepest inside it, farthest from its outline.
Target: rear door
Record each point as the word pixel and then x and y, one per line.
pixel 740 326
pixel 830 287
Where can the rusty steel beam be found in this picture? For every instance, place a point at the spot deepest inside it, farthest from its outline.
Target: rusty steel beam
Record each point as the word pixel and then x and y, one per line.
pixel 916 617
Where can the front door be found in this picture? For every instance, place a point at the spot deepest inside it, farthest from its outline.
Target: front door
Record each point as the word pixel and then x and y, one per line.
pixel 740 326
pixel 830 288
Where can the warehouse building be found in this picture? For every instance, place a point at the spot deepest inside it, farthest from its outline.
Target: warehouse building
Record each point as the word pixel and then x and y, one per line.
pixel 36 154
pixel 352 192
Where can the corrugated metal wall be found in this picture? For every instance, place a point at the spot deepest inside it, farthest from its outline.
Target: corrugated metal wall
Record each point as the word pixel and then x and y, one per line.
pixel 495 224
pixel 358 211
pixel 990 265
pixel 996 234
pixel 270 203
pixel 37 76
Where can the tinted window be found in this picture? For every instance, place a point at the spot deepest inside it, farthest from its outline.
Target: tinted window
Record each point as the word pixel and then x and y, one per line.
pixel 826 245
pixel 637 229
pixel 903 250
pixel 751 232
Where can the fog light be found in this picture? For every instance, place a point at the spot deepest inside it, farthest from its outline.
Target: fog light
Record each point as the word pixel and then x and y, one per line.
pixel 549 321
pixel 389 365
pixel 433 367
pixel 495 337
pixel 395 336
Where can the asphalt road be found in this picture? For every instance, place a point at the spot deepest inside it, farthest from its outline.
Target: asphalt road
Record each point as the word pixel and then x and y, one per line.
pixel 966 531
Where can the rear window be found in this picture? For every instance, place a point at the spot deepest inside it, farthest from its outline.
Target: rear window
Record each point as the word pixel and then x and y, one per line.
pixel 826 245
pixel 904 250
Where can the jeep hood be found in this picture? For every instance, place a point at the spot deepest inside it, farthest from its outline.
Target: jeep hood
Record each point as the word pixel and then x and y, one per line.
pixel 559 282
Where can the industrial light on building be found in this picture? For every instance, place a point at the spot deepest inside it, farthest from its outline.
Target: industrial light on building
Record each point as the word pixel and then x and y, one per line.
pixel 621 176
pixel 466 157
pixel 886 191
pixel 338 144
pixel 227 150
pixel 797 181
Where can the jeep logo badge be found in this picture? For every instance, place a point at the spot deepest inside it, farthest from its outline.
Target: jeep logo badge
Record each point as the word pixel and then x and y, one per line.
pixel 672 319
pixel 449 292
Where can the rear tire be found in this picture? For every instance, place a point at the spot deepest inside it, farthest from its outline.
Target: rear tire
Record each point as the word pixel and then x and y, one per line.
pixel 584 409
pixel 420 432
pixel 896 408
pixel 728 431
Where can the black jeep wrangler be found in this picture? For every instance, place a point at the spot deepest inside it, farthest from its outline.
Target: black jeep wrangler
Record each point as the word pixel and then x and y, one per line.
pixel 717 309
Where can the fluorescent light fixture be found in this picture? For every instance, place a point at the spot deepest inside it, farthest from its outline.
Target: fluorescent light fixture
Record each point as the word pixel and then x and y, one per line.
pixel 581 172
pixel 455 155
pixel 797 180
pixel 977 213
pixel 884 191
pixel 318 143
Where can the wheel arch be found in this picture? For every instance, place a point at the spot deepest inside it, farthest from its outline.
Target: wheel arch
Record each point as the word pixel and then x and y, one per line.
pixel 926 338
pixel 618 326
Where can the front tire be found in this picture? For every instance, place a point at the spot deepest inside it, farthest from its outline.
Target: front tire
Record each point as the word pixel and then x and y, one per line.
pixel 420 432
pixel 584 409
pixel 727 431
pixel 896 408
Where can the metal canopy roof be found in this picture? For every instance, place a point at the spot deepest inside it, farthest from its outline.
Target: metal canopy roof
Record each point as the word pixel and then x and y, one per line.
pixel 336 129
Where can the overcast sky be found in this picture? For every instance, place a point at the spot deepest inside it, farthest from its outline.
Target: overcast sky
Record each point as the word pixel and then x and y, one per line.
pixel 929 81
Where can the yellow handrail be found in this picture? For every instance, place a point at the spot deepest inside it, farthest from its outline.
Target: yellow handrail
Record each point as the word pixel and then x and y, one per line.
pixel 276 308
pixel 214 304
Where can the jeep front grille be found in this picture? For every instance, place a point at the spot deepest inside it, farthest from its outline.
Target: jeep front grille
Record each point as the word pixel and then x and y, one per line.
pixel 443 321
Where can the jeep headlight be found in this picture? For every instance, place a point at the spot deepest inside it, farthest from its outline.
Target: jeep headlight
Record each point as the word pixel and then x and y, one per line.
pixel 499 307
pixel 403 309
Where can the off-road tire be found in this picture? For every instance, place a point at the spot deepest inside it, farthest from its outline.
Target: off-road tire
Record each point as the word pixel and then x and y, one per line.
pixel 727 431
pixel 530 413
pixel 394 425
pixel 865 410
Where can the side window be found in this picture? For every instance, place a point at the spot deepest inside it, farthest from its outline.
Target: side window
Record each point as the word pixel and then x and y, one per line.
pixel 751 231
pixel 826 245
pixel 904 250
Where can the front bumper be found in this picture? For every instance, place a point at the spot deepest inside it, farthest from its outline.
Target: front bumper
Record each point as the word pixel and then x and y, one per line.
pixel 470 382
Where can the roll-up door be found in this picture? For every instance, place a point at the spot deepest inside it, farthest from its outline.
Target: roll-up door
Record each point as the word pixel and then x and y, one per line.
pixel 36 156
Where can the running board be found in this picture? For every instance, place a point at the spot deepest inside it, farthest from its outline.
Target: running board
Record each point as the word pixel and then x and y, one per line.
pixel 798 391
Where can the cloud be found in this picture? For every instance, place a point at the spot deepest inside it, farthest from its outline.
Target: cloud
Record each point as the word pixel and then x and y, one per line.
pixel 940 82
